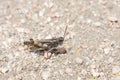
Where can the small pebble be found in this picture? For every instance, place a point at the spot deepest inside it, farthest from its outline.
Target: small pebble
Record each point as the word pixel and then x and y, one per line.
pixel 79 61
pixel 48 20
pixel 88 21
pixel 22 20
pixel 5 44
pixel 20 29
pixel 106 50
pixel 23 30
pixel 115 78
pixel 110 60
pixel 45 75
pixel 4 70
pixel 93 66
pixel 104 3
pixel 113 19
pixel 116 69
pixel 79 78
pixel 19 69
pixel 84 72
pixel 95 73
pixel 97 24
pixel 41 13
pixel 68 70
pixel 48 37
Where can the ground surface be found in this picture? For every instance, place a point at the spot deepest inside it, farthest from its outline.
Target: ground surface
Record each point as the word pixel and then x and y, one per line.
pixel 92 40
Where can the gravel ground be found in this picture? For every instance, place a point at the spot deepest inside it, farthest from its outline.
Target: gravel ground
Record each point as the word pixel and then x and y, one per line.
pixel 92 40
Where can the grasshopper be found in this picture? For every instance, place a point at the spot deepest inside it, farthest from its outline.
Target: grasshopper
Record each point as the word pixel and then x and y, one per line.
pixel 50 45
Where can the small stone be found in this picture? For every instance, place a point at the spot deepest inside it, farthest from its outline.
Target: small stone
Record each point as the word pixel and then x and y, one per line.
pixel 97 24
pixel 19 69
pixel 35 16
pixel 116 69
pixel 115 78
pixel 106 50
pixel 104 2
pixel 22 20
pixel 41 13
pixel 95 73
pixel 5 44
pixel 110 60
pixel 61 71
pixel 46 75
pixel 79 78
pixel 79 61
pixel 48 37
pixel 48 20
pixel 16 54
pixel 22 30
pixel 9 40
pixel 51 24
pixel 84 46
pixel 88 21
pixel 68 70
pixel 18 77
pixel 11 78
pixel 84 72
pixel 9 17
pixel 4 70
pixel 49 4
pixel 113 19
pixel 10 56
pixel 93 66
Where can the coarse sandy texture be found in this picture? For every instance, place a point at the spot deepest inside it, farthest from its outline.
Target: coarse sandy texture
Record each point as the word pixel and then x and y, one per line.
pixel 92 40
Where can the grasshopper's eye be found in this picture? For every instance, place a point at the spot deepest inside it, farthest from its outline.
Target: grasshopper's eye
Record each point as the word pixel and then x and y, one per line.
pixel 60 41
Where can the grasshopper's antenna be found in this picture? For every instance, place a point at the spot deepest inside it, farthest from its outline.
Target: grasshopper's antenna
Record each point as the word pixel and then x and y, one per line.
pixel 65 31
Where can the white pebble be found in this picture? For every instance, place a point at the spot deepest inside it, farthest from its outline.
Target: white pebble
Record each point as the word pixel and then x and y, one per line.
pixel 41 13
pixel 22 20
pixel 5 44
pixel 46 75
pixel 84 72
pixel 4 70
pixel 106 50
pixel 9 40
pixel 79 61
pixel 110 60
pixel 79 78
pixel 49 4
pixel 95 73
pixel 88 21
pixel 115 78
pixel 48 20
pixel 20 29
pixel 112 19
pixel 116 69
pixel 48 37
pixel 93 66
pixel 97 24
pixel 69 71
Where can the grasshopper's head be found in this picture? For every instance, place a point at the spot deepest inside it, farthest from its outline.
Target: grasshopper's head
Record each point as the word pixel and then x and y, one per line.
pixel 31 42
pixel 60 40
